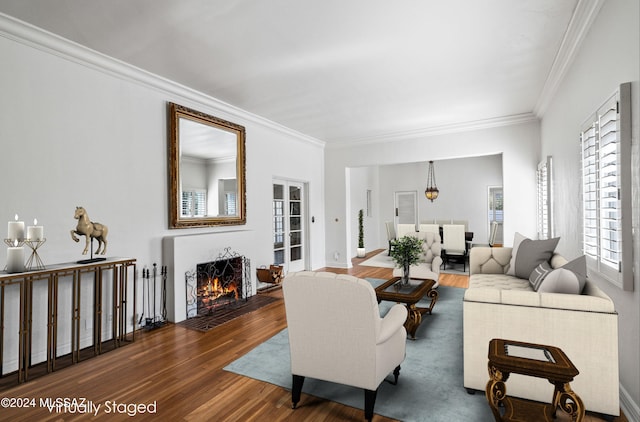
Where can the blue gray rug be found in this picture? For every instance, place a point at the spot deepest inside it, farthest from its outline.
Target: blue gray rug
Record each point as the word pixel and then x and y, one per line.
pixel 430 387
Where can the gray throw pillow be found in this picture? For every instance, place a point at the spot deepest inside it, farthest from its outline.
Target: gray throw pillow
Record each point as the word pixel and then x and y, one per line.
pixel 527 254
pixel 539 274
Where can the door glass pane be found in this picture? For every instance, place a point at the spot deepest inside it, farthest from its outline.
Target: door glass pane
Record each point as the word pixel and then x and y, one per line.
pixel 278 192
pixel 296 238
pixel 278 257
pixel 294 193
pixel 296 253
pixel 295 223
pixel 278 233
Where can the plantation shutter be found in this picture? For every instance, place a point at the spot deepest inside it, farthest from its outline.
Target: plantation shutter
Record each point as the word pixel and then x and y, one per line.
pixel 606 192
pixel 543 181
pixel 589 192
pixel 609 177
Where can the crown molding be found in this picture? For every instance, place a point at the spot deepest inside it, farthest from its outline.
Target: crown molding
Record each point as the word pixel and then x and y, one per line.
pixel 40 39
pixel 583 17
pixel 469 126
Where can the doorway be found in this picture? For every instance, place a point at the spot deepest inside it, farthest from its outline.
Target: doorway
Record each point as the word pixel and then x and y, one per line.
pixel 290 240
pixel 406 208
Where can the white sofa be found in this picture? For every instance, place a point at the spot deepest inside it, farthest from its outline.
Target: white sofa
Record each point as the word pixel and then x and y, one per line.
pixel 584 326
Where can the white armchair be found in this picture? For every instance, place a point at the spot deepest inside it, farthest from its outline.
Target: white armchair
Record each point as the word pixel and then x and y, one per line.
pixel 336 333
pixel 431 261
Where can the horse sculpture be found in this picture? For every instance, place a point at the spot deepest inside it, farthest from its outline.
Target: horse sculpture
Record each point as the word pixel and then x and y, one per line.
pixel 90 230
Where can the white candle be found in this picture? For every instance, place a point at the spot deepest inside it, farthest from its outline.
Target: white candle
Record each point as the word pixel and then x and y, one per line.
pixel 15 259
pixel 16 229
pixel 35 232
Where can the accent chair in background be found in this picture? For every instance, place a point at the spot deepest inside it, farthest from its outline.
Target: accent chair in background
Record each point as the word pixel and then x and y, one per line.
pixel 454 245
pixel 430 228
pixel 391 234
pixel 336 333
pixel 430 261
pixel 404 229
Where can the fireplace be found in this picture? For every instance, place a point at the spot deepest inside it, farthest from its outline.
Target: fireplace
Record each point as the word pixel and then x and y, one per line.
pixel 221 283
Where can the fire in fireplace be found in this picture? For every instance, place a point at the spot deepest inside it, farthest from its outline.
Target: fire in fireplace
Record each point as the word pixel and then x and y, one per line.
pixel 219 284
pixel 223 282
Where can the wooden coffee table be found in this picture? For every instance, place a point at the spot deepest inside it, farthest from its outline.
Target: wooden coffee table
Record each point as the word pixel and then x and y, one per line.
pixel 534 360
pixel 394 291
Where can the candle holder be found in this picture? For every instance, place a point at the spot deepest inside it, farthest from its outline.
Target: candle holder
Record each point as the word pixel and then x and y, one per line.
pixel 11 242
pixel 34 262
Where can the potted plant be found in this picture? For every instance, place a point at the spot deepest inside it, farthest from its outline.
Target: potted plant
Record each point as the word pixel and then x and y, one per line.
pixel 406 251
pixel 361 251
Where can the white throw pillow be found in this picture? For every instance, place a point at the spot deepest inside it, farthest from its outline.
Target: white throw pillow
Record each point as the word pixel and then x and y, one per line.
pixel 570 278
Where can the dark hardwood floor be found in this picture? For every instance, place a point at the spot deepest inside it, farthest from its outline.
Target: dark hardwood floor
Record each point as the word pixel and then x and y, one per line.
pixel 180 370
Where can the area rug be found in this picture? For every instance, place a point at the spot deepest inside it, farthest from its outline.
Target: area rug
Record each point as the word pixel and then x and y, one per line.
pixel 430 387
pixel 220 316
pixel 383 260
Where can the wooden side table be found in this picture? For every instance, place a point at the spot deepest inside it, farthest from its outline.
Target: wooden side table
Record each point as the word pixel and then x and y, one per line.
pixel 535 360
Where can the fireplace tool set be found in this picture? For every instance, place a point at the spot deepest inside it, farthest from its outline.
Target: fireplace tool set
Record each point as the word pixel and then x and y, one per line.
pixel 149 300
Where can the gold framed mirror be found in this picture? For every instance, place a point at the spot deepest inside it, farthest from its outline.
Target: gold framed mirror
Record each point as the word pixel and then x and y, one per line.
pixel 206 170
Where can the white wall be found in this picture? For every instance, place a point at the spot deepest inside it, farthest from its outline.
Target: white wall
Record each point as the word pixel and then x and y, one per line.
pixel 609 56
pixel 463 185
pixel 361 180
pixel 518 144
pixel 77 128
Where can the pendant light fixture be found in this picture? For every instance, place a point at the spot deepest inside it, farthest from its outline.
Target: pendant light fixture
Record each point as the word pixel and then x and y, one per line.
pixel 431 192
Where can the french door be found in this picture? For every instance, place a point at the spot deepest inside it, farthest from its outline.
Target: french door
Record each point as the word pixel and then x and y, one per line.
pixel 289 225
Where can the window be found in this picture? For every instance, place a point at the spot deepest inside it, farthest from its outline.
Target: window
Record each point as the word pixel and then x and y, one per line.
pixel 496 212
pixel 606 190
pixel 543 182
pixel 194 203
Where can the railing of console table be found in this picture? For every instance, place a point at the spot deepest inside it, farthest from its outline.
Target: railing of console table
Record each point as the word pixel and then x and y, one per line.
pixel 122 270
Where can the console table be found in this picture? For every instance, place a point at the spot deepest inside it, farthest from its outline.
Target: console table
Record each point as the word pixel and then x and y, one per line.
pixel 97 273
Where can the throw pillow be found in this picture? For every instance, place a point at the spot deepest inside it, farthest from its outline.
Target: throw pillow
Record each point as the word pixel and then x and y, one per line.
pixel 539 274
pixel 570 278
pixel 527 254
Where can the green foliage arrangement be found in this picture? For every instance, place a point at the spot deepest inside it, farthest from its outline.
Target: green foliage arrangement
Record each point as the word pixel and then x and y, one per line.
pixel 406 251
pixel 361 229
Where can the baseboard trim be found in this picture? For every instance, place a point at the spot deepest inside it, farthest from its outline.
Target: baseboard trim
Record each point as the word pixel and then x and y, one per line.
pixel 629 407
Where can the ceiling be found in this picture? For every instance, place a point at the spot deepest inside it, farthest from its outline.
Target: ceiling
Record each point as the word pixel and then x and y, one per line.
pixel 337 70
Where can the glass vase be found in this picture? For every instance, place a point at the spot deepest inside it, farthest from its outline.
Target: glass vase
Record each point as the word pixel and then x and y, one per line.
pixel 405 273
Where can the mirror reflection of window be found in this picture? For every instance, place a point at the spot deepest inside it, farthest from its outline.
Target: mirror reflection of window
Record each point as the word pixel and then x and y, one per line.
pixel 227 194
pixel 194 203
